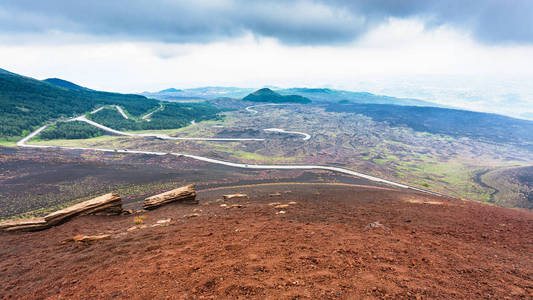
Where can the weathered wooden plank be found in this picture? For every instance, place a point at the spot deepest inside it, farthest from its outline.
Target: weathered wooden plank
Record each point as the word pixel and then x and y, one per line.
pixel 184 194
pixel 110 203
pixel 24 224
pixel 107 204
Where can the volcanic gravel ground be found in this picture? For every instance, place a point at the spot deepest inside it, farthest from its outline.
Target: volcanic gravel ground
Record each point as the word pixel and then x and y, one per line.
pixel 32 179
pixel 319 248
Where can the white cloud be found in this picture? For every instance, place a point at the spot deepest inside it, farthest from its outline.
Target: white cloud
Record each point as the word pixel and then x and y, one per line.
pixel 392 59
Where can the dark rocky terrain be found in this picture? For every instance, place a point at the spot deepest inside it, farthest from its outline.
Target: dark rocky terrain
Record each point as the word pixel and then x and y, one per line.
pixel 321 247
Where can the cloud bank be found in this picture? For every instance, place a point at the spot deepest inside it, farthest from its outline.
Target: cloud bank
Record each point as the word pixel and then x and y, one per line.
pixel 303 22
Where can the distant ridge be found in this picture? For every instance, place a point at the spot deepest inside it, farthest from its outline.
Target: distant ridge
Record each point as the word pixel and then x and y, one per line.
pixel 312 90
pixel 65 84
pixel 170 90
pixel 5 72
pixel 268 95
pixel 316 95
pixel 331 95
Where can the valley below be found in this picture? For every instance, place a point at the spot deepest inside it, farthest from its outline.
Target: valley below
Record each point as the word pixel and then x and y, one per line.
pixel 333 201
pixel 266 149
pixel 441 163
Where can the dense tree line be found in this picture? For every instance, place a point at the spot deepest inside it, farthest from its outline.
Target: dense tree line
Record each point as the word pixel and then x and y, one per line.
pixel 70 130
pixel 26 103
pixel 110 117
pixel 174 115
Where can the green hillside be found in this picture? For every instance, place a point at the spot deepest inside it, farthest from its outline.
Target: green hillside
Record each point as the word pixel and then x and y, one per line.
pixel 268 95
pixel 174 115
pixel 26 103
pixel 65 84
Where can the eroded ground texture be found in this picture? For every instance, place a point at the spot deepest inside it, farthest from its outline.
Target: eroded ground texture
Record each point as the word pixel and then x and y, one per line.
pixel 318 248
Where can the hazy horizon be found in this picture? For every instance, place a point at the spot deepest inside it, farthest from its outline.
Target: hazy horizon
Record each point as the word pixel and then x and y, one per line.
pixel 476 55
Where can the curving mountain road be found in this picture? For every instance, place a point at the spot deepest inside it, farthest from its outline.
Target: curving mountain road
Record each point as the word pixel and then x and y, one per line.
pixel 145 117
pixel 121 112
pixel 278 130
pixel 22 143
pixel 97 110
pixel 159 136
pixel 240 165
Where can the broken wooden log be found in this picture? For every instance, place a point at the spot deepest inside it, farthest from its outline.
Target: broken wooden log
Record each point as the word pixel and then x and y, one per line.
pixel 24 224
pixel 184 194
pixel 108 204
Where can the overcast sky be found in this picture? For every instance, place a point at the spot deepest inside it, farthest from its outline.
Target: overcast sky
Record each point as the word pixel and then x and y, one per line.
pixel 476 54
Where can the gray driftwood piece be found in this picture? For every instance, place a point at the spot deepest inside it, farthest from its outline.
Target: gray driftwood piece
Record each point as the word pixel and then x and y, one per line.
pixel 184 194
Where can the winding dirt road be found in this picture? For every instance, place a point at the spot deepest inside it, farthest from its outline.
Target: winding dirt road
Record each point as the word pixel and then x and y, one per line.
pixel 278 130
pixel 145 117
pixel 23 143
pixel 121 112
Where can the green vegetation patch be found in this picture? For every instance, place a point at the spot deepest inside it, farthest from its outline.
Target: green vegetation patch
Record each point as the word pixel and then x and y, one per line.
pixel 174 115
pixel 70 130
pixel 26 103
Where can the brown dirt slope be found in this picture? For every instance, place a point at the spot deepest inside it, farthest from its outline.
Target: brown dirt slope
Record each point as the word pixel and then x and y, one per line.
pixel 318 248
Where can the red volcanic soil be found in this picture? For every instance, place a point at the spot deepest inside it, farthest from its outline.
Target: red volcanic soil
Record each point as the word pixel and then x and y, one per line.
pixel 436 248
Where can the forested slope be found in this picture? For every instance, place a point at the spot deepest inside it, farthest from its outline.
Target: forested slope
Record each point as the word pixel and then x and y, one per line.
pixel 26 103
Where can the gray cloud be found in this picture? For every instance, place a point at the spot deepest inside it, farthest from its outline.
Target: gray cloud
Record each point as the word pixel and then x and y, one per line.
pixel 291 22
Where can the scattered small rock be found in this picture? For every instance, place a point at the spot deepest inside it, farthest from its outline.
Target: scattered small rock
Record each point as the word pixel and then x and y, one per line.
pixel 132 228
pixel 223 205
pixel 218 200
pixel 164 221
pixel 274 203
pixel 281 212
pixel 376 224
pixel 236 205
pixel 281 206
pixel 236 196
pixel 192 215
pixel 86 238
pixel 292 203
pixel 275 195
